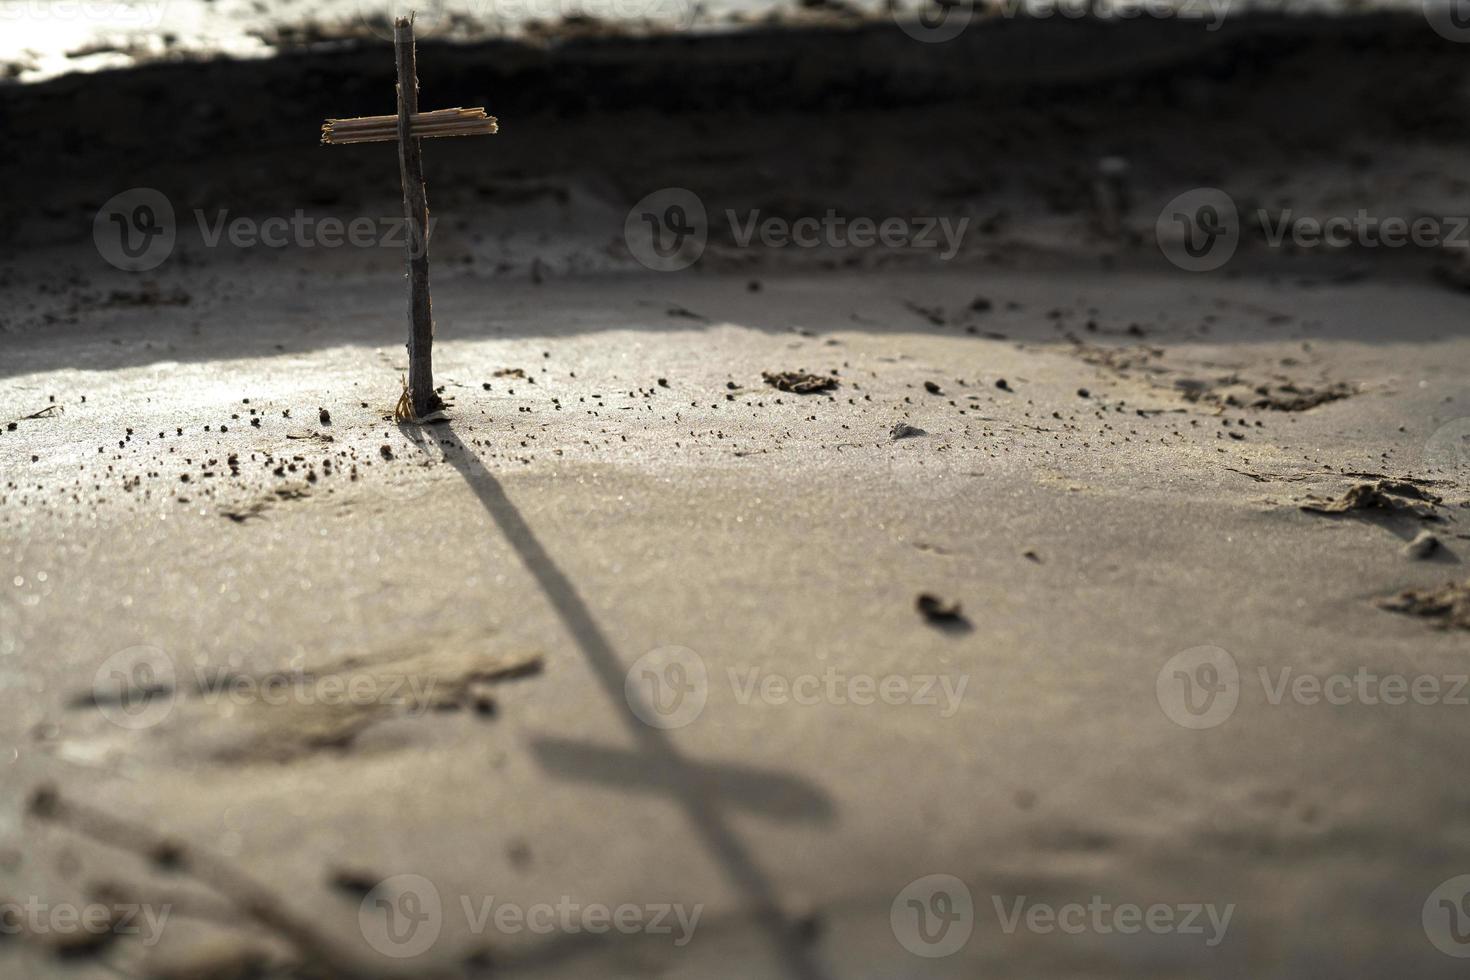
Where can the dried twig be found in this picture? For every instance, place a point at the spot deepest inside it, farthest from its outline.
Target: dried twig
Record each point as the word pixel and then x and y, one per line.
pixel 44 413
pixel 250 898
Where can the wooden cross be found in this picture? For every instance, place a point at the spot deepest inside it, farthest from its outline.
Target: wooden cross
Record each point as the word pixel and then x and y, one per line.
pixel 408 127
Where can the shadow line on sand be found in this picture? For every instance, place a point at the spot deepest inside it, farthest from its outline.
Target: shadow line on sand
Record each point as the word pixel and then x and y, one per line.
pixel 688 782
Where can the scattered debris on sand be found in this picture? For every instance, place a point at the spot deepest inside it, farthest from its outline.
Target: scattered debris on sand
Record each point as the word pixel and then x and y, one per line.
pixel 240 513
pixel 1278 395
pixel 933 388
pixel 1424 545
pixel 1290 397
pixel 1448 605
pixel 939 612
pixel 903 430
pixel 799 382
pixel 1274 392
pixel 510 373
pixel 1392 496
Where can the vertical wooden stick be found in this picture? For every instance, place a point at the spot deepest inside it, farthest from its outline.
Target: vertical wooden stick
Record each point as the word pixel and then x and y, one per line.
pixel 416 214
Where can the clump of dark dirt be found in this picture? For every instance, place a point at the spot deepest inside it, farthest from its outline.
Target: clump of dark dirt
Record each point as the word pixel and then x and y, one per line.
pixel 1290 397
pixel 1448 605
pixel 354 881
pixel 939 612
pixel 1390 496
pixel 799 382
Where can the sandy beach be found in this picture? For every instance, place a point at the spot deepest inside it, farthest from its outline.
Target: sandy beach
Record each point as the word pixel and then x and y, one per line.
pixel 638 634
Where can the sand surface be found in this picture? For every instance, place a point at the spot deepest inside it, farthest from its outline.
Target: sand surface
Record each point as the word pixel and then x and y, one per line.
pixel 1111 473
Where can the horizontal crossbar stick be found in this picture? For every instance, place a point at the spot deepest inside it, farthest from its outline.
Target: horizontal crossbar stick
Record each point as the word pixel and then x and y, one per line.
pixel 483 128
pixel 441 122
pixel 438 115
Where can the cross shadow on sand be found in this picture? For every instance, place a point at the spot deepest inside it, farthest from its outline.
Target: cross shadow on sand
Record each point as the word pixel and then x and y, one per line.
pixel 656 765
